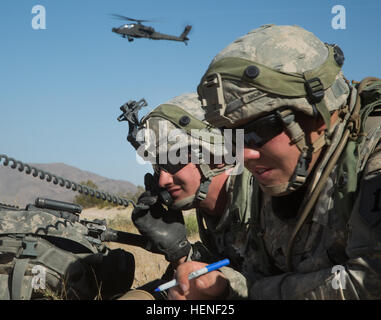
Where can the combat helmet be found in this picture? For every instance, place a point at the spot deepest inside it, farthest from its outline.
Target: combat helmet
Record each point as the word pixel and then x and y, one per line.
pixel 276 70
pixel 175 131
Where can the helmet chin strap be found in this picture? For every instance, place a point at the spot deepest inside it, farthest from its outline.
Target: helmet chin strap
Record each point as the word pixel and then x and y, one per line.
pixel 207 174
pixel 300 174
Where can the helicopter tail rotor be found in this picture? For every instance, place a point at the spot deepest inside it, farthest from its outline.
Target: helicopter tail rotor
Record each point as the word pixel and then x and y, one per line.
pixel 183 36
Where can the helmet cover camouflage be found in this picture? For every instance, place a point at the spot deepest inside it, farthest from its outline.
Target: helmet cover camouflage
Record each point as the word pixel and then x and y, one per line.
pixel 179 124
pixel 288 50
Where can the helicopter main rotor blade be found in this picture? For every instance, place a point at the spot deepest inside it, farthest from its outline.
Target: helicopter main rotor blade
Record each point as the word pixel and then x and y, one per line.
pixel 129 19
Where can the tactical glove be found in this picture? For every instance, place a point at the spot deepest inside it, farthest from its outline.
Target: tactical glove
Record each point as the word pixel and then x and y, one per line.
pixel 165 229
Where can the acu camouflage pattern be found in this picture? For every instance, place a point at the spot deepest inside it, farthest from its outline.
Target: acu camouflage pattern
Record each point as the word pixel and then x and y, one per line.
pixel 228 236
pixel 331 237
pixel 77 266
pixel 290 49
pixel 256 44
pixel 190 103
pixel 25 240
pixel 41 223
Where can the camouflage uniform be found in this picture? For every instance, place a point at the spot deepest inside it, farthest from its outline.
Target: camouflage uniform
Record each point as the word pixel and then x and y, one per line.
pixel 324 242
pixel 225 235
pixel 343 226
pixel 38 245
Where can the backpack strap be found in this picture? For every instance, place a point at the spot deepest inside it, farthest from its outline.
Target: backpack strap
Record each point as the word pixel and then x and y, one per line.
pixel 347 147
pixel 371 121
pixel 18 283
pixel 241 196
pixel 12 246
pixel 23 249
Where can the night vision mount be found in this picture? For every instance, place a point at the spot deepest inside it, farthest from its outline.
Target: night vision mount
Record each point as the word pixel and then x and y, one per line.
pixel 130 113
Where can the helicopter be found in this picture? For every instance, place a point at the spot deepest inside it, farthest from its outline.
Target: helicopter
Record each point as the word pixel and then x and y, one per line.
pixel 138 30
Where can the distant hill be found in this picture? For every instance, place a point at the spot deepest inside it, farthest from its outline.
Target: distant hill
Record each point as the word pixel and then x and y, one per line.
pixel 18 188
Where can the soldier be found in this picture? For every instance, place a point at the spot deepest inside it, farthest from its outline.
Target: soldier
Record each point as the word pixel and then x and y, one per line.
pixel 311 143
pixel 203 181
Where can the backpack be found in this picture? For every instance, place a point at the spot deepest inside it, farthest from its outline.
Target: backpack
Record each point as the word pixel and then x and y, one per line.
pixel 50 254
pixel 359 147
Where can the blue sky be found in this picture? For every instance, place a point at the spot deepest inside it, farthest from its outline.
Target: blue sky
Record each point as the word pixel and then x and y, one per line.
pixel 61 88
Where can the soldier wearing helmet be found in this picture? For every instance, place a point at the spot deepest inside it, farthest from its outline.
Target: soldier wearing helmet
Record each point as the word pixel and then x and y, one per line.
pixel 312 146
pixel 191 161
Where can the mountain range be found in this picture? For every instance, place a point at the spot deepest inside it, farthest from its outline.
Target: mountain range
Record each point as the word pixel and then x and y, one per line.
pixel 18 188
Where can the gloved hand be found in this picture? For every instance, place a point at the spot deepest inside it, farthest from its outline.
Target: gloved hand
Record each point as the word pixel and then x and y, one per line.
pixel 165 229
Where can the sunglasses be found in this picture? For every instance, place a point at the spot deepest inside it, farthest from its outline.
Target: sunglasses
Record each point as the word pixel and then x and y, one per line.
pixel 170 168
pixel 262 130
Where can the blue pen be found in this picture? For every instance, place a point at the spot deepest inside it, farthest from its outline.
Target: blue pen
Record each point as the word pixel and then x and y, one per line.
pixel 194 274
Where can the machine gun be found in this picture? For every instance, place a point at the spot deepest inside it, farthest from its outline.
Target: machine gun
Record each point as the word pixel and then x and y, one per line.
pixel 71 252
pixel 50 233
pixel 97 229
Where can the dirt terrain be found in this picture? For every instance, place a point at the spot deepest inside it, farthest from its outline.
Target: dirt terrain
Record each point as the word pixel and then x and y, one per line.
pixel 106 213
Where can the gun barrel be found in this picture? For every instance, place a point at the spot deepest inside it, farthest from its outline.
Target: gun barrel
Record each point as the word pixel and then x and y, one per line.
pixel 58 205
pixel 127 238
